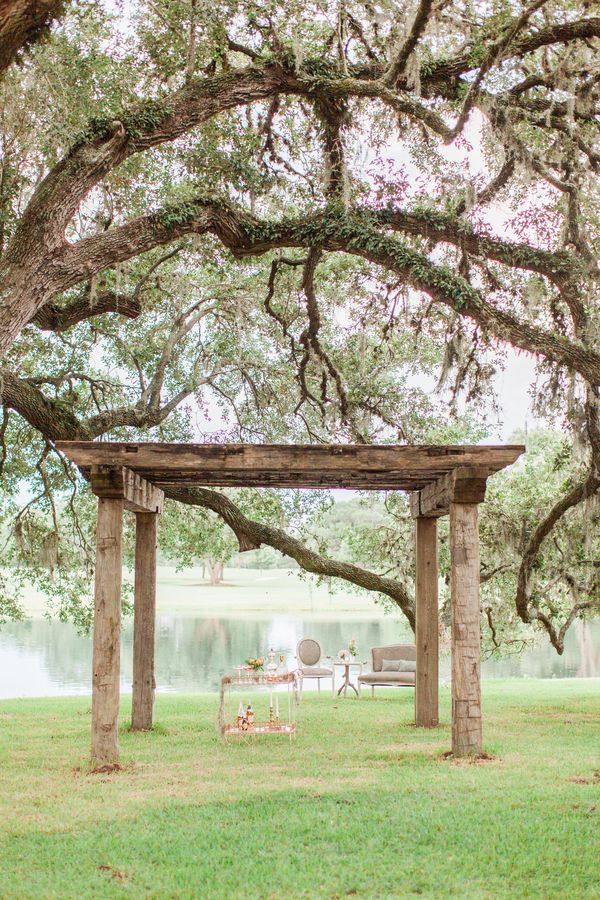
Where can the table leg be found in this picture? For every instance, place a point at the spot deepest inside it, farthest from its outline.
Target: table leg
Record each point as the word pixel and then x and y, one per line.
pixel 344 682
pixel 347 684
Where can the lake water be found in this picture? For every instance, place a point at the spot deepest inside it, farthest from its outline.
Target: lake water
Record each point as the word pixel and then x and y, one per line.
pixel 39 657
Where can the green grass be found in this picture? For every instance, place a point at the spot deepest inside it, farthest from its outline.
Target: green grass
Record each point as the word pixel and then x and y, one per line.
pixel 362 804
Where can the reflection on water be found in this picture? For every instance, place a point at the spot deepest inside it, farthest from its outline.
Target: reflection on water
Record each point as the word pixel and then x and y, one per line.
pixel 48 658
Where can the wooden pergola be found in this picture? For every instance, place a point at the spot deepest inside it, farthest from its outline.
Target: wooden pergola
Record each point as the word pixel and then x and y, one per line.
pixel 442 480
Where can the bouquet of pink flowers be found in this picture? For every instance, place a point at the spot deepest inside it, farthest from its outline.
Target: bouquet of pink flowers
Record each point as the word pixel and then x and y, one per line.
pixel 353 647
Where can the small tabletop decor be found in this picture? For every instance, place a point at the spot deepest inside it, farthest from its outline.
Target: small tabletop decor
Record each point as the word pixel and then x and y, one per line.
pixel 255 663
pixel 347 654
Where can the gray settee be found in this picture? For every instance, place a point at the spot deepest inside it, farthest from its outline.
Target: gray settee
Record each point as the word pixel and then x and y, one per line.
pixel 403 677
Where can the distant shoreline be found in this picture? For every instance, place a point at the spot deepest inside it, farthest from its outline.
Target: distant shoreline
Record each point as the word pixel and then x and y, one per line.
pixel 246 593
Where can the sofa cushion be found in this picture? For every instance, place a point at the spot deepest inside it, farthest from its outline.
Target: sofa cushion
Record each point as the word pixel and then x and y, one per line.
pixel 387 678
pixel 390 665
pixel 398 665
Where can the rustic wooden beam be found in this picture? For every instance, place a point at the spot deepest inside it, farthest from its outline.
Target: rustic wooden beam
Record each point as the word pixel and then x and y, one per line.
pixel 119 483
pixel 107 631
pixel 466 637
pixel 426 624
pixel 463 485
pixel 401 467
pixel 144 617
pixel 287 478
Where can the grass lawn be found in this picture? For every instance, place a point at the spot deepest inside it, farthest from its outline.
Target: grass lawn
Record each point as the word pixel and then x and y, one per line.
pixel 361 805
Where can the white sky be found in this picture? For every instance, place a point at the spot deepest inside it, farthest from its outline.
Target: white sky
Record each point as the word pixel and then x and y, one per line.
pixel 512 386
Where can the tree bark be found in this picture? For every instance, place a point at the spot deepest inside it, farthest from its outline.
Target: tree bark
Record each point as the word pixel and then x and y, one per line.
pixel 107 632
pixel 144 618
pixel 59 318
pixel 22 22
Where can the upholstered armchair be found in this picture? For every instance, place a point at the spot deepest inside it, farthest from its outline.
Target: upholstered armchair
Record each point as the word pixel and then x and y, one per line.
pixel 308 657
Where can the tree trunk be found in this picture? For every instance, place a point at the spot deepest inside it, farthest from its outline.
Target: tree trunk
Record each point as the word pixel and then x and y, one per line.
pixel 215 571
pixel 22 22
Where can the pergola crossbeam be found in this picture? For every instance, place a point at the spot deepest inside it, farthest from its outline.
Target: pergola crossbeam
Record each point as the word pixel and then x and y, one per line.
pixel 356 467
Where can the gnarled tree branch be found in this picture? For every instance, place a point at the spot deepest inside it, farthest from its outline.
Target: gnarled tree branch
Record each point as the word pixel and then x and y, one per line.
pixel 353 232
pixel 56 317
pixel 527 611
pixel 252 534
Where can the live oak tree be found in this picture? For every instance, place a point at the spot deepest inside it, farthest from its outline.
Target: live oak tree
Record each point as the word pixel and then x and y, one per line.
pixel 192 537
pixel 258 141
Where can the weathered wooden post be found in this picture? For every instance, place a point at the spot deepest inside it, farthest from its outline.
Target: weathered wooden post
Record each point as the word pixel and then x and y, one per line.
pixel 119 488
pixel 426 624
pixel 466 636
pixel 458 494
pixel 106 665
pixel 144 617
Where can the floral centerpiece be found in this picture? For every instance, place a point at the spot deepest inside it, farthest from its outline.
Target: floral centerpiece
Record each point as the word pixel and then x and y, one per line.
pixel 256 663
pixel 348 653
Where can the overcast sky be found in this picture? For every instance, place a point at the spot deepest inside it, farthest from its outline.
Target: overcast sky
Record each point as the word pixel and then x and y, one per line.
pixel 512 386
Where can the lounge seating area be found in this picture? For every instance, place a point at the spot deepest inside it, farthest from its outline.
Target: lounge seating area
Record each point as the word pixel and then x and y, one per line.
pixel 393 665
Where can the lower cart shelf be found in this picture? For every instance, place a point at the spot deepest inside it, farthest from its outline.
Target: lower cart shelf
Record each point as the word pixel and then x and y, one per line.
pixel 284 728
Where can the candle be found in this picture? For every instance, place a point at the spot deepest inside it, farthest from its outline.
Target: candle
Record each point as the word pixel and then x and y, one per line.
pixel 277 708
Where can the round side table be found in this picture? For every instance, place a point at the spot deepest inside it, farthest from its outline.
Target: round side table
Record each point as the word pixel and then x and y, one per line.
pixel 345 664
